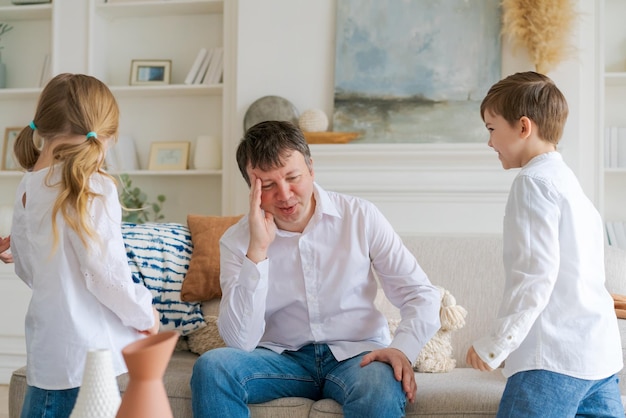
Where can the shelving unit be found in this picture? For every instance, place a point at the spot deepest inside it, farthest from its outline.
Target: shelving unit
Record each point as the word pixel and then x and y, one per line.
pixel 115 34
pixel 614 104
pixel 159 30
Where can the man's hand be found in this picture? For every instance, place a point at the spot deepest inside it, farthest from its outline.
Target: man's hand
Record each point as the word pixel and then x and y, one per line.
pixel 262 226
pixel 402 369
pixel 5 255
pixel 476 362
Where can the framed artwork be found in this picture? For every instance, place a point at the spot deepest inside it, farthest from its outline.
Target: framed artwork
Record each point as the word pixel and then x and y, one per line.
pixel 8 161
pixel 169 155
pixel 415 71
pixel 155 72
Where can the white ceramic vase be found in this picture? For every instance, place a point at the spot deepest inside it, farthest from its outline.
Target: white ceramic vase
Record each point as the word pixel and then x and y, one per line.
pixel 99 395
pixel 208 154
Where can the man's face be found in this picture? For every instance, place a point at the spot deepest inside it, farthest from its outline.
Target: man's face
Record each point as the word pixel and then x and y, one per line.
pixel 287 192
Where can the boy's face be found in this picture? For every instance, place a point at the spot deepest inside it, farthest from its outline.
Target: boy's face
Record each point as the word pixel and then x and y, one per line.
pixel 287 192
pixel 506 140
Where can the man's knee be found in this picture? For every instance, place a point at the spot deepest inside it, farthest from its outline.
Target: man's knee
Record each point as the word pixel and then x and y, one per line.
pixel 210 364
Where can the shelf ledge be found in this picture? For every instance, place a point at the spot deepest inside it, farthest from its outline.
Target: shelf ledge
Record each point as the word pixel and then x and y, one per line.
pixel 141 8
pixel 26 12
pixel 615 78
pixel 167 90
pixel 152 173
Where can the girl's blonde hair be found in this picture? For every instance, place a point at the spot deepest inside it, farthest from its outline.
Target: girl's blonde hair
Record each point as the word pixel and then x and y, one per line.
pixel 71 105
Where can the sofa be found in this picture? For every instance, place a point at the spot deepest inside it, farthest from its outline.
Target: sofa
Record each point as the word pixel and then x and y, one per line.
pixel 468 267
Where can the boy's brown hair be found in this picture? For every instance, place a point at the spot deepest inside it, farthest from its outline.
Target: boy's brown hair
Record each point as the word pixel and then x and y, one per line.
pixel 532 95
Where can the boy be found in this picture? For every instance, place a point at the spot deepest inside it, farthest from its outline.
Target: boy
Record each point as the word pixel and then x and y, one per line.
pixel 556 327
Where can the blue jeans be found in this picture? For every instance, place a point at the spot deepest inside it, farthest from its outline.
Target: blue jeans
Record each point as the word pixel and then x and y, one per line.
pixel 42 403
pixel 226 380
pixel 540 393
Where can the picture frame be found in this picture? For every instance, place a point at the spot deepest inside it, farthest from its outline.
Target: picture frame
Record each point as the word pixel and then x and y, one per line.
pixel 8 161
pixel 150 72
pixel 169 155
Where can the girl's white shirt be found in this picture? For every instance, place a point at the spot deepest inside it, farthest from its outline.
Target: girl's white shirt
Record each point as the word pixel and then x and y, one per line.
pixel 82 298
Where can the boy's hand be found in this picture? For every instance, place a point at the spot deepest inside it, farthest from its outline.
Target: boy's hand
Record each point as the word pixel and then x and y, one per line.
pixel 475 361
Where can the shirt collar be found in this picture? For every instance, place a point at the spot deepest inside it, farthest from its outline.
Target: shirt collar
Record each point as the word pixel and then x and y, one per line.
pixel 552 155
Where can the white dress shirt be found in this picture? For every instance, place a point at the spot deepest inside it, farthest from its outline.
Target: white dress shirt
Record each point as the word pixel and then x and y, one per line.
pixel 319 286
pixel 556 313
pixel 81 298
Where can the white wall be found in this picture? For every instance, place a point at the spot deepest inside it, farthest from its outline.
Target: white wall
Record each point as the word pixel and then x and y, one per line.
pixel 286 48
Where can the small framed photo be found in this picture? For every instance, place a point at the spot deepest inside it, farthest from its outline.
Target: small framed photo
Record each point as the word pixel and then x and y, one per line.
pixel 155 72
pixel 169 155
pixel 8 161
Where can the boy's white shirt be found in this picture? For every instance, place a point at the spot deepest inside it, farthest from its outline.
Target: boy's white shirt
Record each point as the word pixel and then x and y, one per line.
pixel 556 313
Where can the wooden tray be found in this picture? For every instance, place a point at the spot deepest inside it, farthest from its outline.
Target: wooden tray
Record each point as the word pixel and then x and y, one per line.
pixel 330 137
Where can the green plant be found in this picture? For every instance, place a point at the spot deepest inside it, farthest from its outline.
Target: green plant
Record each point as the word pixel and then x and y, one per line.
pixel 4 28
pixel 135 206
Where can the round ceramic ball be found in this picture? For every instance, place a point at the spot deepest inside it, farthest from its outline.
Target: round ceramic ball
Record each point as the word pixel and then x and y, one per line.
pixel 313 120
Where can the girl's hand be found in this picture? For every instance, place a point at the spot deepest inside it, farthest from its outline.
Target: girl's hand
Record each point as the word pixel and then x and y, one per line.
pixel 157 323
pixel 5 253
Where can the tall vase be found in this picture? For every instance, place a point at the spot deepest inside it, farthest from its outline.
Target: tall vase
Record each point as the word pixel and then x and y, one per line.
pixel 208 153
pixel 147 359
pixel 3 74
pixel 99 395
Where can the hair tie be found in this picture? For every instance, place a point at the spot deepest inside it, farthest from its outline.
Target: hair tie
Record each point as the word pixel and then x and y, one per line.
pixel 92 134
pixel 32 125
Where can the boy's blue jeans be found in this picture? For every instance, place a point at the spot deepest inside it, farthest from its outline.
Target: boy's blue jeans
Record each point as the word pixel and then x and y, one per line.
pixel 42 403
pixel 226 380
pixel 544 394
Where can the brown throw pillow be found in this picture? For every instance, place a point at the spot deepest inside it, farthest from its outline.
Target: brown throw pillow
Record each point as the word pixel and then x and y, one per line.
pixel 202 281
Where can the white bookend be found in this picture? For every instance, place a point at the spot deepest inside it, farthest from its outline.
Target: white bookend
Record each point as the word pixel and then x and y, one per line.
pixel 214 73
pixel 203 68
pixel 193 71
pixel 607 147
pixel 126 154
pixel 621 147
pixel 613 149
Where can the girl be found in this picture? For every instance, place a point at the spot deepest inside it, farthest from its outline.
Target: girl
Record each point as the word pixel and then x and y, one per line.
pixel 67 244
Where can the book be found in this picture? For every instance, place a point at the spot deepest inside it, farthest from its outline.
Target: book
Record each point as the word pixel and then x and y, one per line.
pixel 214 72
pixel 610 233
pixel 193 71
pixel 203 67
pixel 620 235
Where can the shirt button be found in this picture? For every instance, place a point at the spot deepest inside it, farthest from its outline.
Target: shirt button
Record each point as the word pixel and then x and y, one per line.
pixel 491 355
pixel 509 337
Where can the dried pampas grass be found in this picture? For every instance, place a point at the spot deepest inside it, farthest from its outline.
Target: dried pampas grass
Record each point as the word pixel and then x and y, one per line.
pixel 544 27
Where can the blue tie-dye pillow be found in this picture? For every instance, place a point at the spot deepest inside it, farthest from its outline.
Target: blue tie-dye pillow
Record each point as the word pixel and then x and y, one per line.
pixel 158 256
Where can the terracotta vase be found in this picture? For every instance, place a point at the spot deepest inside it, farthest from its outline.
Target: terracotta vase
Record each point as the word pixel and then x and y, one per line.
pixel 147 359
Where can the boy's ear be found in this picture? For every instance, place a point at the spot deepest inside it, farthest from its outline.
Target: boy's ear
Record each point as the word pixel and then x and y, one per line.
pixel 526 127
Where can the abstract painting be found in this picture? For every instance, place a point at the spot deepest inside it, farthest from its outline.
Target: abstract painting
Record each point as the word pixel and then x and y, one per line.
pixel 415 71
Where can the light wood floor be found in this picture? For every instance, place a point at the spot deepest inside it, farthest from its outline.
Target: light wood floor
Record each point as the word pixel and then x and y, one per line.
pixel 4 401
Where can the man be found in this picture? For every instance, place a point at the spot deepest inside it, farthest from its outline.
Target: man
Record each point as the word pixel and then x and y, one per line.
pixel 298 284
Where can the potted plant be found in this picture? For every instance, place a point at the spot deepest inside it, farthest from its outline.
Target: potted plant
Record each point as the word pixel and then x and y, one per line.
pixel 4 28
pixel 135 206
